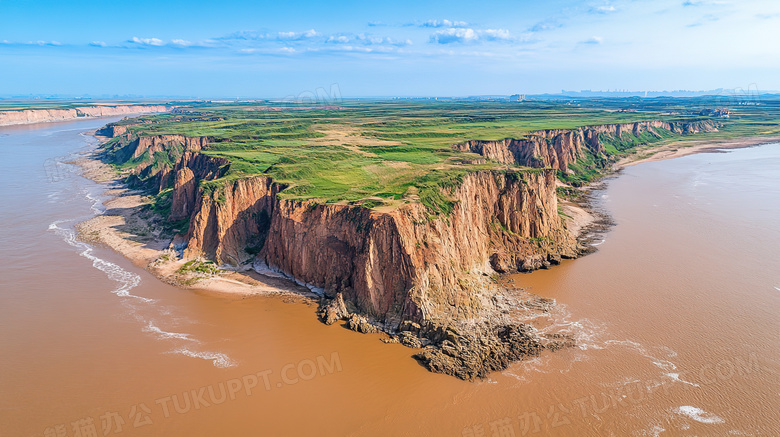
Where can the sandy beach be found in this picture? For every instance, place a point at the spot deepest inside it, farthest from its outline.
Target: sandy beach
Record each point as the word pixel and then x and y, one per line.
pixel 129 227
pixel 689 147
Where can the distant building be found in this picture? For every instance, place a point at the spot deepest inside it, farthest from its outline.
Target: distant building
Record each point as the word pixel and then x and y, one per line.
pixel 517 97
pixel 718 112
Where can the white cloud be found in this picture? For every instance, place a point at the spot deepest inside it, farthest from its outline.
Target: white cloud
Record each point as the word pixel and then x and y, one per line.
pixel 605 9
pixel 44 43
pixel 311 33
pixel 548 24
pixel 454 35
pixel 365 40
pixel 98 44
pixel 704 3
pixel 181 42
pixel 147 41
pixel 496 34
pixel 339 38
pixel 468 35
pixel 593 40
pixel 444 23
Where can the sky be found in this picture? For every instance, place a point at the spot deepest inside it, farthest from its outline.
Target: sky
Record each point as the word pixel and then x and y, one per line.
pixel 259 49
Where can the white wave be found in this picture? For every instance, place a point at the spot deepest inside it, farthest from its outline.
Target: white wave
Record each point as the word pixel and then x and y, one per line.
pixel 699 415
pixel 654 430
pixel 661 363
pixel 599 243
pixel 587 333
pixel 150 327
pixel 669 351
pixel 217 359
pixel 676 377
pixel 521 370
pixel 777 288
pixel 126 280
pixel 668 367
pixel 657 430
pixel 95 203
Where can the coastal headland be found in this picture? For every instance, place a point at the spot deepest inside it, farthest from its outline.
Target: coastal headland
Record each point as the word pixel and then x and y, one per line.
pixel 396 218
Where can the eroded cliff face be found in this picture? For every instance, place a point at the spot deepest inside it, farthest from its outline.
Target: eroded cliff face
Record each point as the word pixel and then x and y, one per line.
pixel 28 116
pixel 430 279
pixel 392 266
pixel 558 148
pixel 396 266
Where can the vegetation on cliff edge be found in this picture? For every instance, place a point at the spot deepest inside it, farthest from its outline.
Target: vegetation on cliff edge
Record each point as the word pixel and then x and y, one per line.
pixel 384 153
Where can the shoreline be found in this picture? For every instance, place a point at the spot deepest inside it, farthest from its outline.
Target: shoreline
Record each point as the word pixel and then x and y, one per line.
pixel 587 222
pixel 130 228
pixel 689 147
pixel 26 117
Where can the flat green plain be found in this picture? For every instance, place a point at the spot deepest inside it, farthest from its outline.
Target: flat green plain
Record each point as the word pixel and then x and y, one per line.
pixel 384 152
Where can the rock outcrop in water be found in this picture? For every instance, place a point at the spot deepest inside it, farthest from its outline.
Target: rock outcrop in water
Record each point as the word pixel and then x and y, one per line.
pixel 28 116
pixel 428 279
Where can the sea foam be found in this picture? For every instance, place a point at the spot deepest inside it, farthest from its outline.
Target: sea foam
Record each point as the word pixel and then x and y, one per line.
pixel 699 415
pixel 218 359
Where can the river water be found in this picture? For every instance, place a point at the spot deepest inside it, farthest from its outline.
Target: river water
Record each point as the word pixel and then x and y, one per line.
pixel 677 317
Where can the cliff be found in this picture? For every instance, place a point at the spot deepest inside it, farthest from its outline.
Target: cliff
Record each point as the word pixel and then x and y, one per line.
pixel 28 116
pixel 559 148
pixel 428 278
pixel 394 270
pixel 392 266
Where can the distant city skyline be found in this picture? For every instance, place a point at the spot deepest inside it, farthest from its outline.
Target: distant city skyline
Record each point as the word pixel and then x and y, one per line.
pixel 324 95
pixel 263 50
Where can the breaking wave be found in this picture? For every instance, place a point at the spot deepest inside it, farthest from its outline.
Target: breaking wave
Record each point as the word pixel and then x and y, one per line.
pixel 150 327
pixel 217 359
pixel 127 281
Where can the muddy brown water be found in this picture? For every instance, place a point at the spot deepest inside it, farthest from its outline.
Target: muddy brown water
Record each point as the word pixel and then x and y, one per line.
pixel 677 317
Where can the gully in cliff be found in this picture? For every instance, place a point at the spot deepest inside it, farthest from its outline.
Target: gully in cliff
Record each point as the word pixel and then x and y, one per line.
pixel 421 264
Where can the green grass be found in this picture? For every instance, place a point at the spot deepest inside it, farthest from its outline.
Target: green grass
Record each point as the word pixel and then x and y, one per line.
pixel 402 150
pixel 195 266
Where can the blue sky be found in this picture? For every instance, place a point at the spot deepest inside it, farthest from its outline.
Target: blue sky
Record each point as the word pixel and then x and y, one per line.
pixel 405 48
